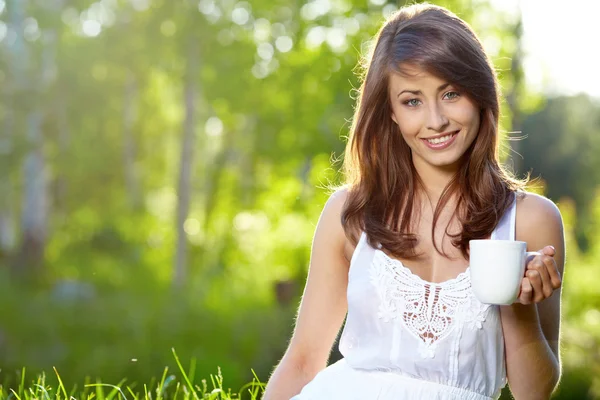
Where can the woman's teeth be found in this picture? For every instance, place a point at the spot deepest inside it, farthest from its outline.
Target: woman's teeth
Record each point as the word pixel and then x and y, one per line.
pixel 440 140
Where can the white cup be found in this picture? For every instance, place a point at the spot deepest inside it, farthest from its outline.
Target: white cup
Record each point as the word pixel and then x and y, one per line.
pixel 497 268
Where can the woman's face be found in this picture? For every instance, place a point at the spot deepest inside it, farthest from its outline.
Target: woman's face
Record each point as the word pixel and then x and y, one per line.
pixel 437 121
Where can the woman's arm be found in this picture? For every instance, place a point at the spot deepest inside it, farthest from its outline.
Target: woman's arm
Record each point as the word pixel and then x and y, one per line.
pixel 322 309
pixel 531 330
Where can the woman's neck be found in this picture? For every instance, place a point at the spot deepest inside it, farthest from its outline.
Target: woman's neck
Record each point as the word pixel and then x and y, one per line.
pixel 434 180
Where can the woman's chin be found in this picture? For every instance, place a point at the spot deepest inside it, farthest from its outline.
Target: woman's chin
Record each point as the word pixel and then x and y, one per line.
pixel 445 162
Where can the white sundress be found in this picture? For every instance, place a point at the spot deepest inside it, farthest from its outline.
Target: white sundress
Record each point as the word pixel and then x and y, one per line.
pixel 407 338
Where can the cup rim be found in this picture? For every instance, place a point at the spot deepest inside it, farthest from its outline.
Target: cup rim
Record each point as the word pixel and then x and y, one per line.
pixel 501 242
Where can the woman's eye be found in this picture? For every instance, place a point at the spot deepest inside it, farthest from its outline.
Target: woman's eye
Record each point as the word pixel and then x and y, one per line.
pixel 412 102
pixel 452 95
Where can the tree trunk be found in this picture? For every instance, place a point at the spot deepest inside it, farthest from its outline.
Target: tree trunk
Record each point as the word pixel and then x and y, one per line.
pixel 34 213
pixel 7 216
pixel 18 61
pixel 60 199
pixel 214 171
pixel 129 148
pixel 35 208
pixel 186 163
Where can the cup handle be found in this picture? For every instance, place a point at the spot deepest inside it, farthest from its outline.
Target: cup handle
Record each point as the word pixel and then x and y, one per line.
pixel 530 254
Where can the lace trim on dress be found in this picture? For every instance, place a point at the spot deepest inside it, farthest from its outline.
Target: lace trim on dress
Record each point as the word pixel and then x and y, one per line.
pixel 429 311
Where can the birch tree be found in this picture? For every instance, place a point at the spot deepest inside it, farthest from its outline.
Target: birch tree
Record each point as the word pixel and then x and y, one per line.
pixel 34 214
pixel 186 160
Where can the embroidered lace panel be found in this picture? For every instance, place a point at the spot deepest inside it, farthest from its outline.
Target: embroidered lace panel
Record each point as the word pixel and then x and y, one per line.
pixel 429 311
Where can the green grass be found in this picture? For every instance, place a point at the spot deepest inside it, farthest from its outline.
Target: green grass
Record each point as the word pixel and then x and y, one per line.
pixel 170 386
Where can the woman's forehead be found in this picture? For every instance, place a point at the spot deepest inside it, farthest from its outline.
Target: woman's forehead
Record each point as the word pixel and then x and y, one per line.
pixel 411 77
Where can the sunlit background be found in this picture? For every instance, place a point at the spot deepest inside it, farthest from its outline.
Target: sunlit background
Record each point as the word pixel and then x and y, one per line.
pixel 163 164
pixel 559 44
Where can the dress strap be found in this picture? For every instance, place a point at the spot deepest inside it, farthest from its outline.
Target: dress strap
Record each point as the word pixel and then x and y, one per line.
pixel 359 245
pixel 505 230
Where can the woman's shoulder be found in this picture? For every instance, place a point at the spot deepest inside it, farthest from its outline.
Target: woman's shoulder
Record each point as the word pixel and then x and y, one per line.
pixel 535 213
pixel 332 218
pixel 336 201
pixel 331 215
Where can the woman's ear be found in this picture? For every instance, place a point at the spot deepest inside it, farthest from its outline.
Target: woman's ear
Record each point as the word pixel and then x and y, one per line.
pixel 394 117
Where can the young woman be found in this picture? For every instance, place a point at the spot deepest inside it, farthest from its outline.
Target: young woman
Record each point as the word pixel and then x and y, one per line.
pixel 391 248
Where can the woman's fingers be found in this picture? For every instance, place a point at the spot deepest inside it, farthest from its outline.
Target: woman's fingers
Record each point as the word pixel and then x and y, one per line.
pixel 526 295
pixel 537 272
pixel 541 277
pixel 537 286
pixel 551 266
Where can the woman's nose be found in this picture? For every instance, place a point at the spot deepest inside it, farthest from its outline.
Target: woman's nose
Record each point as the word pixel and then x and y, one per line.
pixel 436 120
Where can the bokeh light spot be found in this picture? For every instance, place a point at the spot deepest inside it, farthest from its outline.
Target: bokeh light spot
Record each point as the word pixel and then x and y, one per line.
pixel 213 126
pixel 260 70
pixel 388 10
pixel 91 28
pixel 262 30
pixel 140 5
pixel 191 226
pixel 206 6
pixel 278 29
pixel 336 39
pixel 3 30
pixel 351 26
pixel 240 16
pixel 315 9
pixel 210 10
pixel 31 30
pixel 315 36
pixel 265 51
pixel 284 43
pixel 168 28
pixel 70 16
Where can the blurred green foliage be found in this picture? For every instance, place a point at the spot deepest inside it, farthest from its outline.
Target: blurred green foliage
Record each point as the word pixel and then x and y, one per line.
pixel 274 88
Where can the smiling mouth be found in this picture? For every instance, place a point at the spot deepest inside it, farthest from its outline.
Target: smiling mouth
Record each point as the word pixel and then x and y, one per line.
pixel 442 139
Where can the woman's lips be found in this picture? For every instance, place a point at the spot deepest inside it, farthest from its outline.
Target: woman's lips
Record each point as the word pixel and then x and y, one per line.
pixel 443 145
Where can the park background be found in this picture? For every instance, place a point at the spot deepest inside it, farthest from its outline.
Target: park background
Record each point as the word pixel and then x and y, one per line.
pixel 163 164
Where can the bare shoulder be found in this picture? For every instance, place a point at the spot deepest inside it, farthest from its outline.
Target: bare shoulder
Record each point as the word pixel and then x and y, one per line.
pixel 330 221
pixel 335 205
pixel 331 218
pixel 537 212
pixel 539 222
pixel 338 198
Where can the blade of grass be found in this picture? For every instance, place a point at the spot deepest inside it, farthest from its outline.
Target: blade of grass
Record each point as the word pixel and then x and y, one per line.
pixel 253 388
pixel 176 391
pixel 161 386
pixel 60 384
pixel 167 382
pixel 15 393
pixel 43 389
pixel 72 394
pixel 135 397
pixel 191 388
pixel 116 389
pixel 192 369
pixel 22 384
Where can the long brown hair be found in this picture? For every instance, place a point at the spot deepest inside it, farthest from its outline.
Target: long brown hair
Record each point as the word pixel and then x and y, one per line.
pixel 379 173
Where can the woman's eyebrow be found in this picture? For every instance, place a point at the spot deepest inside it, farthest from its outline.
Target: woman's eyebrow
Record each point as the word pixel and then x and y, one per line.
pixel 418 92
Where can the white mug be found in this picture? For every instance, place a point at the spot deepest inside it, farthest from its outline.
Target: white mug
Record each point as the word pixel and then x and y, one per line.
pixel 497 268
